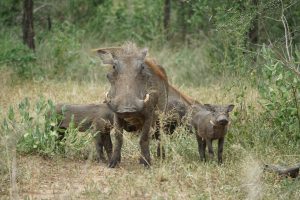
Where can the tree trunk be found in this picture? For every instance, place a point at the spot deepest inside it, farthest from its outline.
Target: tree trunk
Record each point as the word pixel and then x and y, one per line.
pixel 49 22
pixel 292 172
pixel 28 31
pixel 182 17
pixel 253 31
pixel 167 14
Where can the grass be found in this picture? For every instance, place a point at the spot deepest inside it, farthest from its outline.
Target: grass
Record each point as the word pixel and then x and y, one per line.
pixel 181 175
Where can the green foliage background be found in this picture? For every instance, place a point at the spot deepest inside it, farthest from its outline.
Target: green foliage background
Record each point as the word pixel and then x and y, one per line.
pixel 207 41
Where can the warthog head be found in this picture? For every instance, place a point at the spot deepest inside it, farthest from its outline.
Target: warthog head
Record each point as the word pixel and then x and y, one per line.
pixel 220 114
pixel 128 77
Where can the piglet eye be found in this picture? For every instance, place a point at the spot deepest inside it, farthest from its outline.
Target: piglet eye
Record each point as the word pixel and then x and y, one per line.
pixel 115 65
pixel 142 66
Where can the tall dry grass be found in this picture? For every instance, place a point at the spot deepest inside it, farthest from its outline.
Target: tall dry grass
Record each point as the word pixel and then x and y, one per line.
pixel 180 176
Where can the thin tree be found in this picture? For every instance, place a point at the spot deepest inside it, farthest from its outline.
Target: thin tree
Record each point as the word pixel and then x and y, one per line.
pixel 27 24
pixel 167 14
pixel 253 31
pixel 182 19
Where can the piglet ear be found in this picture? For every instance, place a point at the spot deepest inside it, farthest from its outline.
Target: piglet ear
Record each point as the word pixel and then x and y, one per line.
pixel 209 107
pixel 144 53
pixel 230 107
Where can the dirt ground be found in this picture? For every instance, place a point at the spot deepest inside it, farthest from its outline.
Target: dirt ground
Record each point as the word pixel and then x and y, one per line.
pixel 44 178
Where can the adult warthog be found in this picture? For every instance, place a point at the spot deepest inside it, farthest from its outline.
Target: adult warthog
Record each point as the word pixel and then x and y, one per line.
pixel 138 92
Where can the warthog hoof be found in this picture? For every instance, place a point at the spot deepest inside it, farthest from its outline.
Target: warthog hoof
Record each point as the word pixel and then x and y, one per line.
pixel 101 160
pixel 145 162
pixel 114 161
pixel 101 157
pixel 220 161
pixel 202 159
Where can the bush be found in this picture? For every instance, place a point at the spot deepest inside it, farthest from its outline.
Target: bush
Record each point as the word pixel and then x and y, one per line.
pixel 17 56
pixel 37 131
pixel 140 21
pixel 58 52
pixel 9 12
pixel 280 91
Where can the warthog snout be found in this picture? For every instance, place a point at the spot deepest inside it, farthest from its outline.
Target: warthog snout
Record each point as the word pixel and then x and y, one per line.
pixel 222 119
pixel 120 105
pixel 220 114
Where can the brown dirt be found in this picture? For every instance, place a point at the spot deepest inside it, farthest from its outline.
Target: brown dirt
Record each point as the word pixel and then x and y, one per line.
pixel 41 178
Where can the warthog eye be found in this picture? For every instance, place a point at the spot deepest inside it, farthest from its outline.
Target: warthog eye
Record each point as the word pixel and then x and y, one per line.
pixel 115 65
pixel 142 66
pixel 142 69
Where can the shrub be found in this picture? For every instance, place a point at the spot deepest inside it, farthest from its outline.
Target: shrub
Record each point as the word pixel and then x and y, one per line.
pixel 279 89
pixel 37 132
pixel 17 56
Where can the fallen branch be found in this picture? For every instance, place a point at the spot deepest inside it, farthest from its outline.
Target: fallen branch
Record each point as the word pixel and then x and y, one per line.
pixel 292 172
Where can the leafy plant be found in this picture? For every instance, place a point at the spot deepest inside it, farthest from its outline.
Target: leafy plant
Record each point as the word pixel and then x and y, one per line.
pixel 279 89
pixel 37 131
pixel 74 144
pixel 59 51
pixel 18 56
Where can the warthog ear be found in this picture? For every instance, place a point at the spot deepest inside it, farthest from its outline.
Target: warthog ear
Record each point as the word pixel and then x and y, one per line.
pixel 144 53
pixel 230 107
pixel 107 54
pixel 209 107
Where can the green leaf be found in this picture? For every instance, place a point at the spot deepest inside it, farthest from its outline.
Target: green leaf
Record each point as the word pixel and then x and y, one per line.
pixel 279 77
pixel 11 113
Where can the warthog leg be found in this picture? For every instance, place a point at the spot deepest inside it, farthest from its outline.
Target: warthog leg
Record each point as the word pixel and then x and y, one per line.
pixel 116 156
pixel 107 143
pixel 210 149
pixel 145 140
pixel 220 150
pixel 103 140
pixel 201 147
pixel 99 146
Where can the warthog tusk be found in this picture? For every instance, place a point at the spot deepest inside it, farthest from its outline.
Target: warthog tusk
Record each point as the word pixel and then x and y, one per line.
pixel 147 98
pixel 106 96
